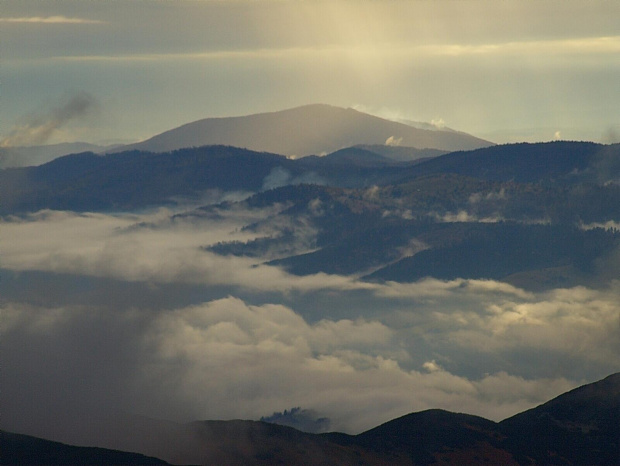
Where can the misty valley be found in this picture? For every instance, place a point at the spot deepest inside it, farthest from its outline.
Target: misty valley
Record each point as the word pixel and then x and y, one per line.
pixel 360 292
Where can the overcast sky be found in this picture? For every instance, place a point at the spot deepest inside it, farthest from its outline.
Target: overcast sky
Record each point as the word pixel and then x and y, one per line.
pixel 503 70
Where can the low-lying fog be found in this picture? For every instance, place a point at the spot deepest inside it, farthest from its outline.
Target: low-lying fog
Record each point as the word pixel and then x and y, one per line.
pixel 106 315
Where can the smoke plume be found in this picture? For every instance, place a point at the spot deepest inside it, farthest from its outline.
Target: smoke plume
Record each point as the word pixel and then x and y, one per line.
pixel 39 128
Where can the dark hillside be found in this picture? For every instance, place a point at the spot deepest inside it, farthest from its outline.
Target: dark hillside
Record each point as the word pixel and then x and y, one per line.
pixel 526 163
pixel 578 427
pixel 403 154
pixel 431 227
pixel 433 436
pixel 131 180
pixel 16 449
pixel 495 251
pixel 542 175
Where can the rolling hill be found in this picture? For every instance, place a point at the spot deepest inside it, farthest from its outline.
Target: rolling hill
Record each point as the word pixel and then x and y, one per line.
pixel 136 179
pixel 28 450
pixel 578 427
pixel 510 212
pixel 37 155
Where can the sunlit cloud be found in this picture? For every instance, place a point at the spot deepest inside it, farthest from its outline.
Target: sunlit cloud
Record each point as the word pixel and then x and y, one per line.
pixel 438 123
pixel 480 315
pixel 433 289
pixel 50 20
pixel 269 339
pixel 576 321
pixel 100 245
pixel 561 47
pixel 235 54
pixel 392 141
pixel 589 45
pixel 228 359
pixel 611 224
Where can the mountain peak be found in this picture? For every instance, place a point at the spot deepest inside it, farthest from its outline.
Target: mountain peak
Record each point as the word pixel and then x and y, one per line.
pixel 312 129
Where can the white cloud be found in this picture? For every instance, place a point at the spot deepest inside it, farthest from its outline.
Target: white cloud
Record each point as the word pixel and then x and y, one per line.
pixel 610 224
pixel 110 246
pixel 464 216
pixel 579 323
pixel 433 288
pixel 431 366
pixel 439 122
pixel 392 141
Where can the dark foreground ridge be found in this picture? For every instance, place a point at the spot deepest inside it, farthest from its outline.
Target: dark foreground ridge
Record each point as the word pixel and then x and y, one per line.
pixel 27 450
pixel 579 427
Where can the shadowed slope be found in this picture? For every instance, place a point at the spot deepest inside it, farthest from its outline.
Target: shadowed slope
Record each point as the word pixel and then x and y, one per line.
pixel 27 450
pixel 578 427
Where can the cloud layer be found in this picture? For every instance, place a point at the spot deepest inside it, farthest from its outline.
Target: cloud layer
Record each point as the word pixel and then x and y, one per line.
pixel 210 337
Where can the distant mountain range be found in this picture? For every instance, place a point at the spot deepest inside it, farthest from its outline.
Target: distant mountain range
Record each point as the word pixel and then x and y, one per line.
pixel 576 428
pixel 37 155
pixel 137 179
pixel 301 131
pixel 308 130
pixel 522 213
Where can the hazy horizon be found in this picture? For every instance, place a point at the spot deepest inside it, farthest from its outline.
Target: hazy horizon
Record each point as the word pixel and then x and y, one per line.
pixel 507 71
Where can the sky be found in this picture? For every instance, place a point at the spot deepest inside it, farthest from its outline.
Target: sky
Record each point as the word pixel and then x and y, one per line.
pixel 506 71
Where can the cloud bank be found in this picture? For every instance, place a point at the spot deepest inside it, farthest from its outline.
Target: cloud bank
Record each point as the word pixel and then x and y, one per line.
pixel 203 336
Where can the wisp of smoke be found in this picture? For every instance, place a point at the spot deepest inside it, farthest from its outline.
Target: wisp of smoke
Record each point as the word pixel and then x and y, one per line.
pixel 39 128
pixel 611 136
